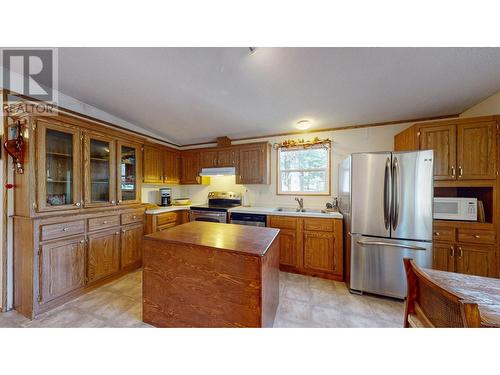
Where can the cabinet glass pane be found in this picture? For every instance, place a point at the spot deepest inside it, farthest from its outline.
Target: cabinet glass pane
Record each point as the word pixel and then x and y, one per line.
pixel 99 171
pixel 59 167
pixel 128 168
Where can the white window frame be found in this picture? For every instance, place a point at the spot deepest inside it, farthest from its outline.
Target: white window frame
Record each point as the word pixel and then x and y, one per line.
pixel 306 193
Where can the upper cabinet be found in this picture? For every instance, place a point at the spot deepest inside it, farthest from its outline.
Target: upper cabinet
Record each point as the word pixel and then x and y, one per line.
pixel 190 167
pixel 58 166
pixel 227 157
pixel 476 150
pixel 129 168
pixel 171 167
pixel 441 139
pixel 464 149
pixel 153 165
pixel 99 170
pixel 254 164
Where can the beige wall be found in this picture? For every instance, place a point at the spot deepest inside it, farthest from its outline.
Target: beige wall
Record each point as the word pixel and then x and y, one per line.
pixel 379 138
pixel 489 106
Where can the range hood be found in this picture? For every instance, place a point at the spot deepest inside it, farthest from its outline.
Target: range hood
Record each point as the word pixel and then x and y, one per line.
pixel 226 171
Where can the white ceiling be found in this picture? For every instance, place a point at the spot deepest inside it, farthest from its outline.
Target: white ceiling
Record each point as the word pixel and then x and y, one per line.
pixel 190 95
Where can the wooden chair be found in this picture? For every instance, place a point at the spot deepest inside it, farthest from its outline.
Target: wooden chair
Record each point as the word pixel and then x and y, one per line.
pixel 428 305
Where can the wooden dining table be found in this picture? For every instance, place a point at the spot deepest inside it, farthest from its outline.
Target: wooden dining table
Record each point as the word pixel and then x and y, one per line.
pixel 484 291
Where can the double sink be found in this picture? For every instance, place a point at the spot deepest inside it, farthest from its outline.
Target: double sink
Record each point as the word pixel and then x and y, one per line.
pixel 305 210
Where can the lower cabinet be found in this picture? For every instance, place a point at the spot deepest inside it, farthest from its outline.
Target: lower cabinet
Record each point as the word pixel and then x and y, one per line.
pixel 131 244
pixel 319 251
pixel 464 248
pixel 62 268
pixel 311 246
pixel 103 254
pixel 288 247
pixel 165 220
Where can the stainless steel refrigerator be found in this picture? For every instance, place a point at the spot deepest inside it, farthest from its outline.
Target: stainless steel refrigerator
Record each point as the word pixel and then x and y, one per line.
pixel 386 199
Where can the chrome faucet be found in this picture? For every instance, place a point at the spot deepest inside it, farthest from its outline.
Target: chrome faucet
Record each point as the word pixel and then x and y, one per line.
pixel 300 201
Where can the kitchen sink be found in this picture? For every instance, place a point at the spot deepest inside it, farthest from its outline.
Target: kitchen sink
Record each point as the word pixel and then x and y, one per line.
pixel 305 210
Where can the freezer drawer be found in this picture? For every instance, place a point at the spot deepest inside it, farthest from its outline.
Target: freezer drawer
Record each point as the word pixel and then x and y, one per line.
pixel 377 264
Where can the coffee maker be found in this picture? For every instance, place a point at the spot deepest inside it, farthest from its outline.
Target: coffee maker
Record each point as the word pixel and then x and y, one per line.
pixel 165 196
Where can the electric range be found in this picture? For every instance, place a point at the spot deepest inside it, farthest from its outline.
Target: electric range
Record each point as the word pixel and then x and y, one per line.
pixel 215 210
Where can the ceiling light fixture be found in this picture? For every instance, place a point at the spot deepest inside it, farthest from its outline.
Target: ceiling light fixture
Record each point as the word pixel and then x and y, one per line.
pixel 303 124
pixel 252 50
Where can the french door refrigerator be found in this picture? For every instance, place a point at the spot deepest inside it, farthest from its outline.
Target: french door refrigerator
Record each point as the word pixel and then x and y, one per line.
pixel 386 199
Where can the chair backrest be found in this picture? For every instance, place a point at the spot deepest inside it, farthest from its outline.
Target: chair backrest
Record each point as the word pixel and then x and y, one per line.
pixel 430 305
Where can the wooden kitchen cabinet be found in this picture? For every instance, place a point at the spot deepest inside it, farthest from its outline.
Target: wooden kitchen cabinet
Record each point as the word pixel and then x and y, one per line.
pixel 443 257
pixel 209 159
pixel 441 139
pixel 476 150
pixel 171 167
pixel 464 248
pixel 58 151
pixel 131 245
pixel 227 157
pixel 464 149
pixel 62 268
pixel 153 165
pixel 99 170
pixel 310 246
pixel 475 260
pixel 190 167
pixel 253 165
pixel 129 161
pixel 103 254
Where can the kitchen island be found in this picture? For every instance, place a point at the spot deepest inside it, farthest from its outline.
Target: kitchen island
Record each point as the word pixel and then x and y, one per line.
pixel 202 274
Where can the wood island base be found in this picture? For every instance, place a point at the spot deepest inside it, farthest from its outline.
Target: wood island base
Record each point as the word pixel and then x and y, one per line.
pixel 211 275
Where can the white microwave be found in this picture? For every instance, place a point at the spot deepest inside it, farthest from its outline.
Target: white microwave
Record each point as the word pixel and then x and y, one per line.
pixel 455 209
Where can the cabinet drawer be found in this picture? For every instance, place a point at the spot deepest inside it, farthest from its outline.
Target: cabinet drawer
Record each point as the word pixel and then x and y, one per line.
pixel 476 236
pixel 133 217
pixel 50 231
pixel 325 225
pixel 166 226
pixel 443 234
pixel 103 222
pixel 166 218
pixel 283 222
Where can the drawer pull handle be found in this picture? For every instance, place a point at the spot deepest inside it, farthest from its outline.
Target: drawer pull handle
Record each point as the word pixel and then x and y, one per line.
pixel 65 229
pixel 476 236
pixel 452 251
pixel 436 233
pixel 460 252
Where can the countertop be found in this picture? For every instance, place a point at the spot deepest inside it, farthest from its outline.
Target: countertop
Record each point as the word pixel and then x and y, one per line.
pixel 266 210
pixel 160 210
pixel 244 239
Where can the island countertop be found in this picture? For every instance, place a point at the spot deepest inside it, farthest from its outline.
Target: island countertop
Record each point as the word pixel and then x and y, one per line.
pixel 243 239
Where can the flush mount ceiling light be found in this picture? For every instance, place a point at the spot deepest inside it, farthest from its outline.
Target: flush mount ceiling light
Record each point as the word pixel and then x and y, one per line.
pixel 252 50
pixel 303 124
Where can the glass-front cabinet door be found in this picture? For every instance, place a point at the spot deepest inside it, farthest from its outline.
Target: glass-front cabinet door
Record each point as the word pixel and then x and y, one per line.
pixel 99 168
pixel 129 173
pixel 58 166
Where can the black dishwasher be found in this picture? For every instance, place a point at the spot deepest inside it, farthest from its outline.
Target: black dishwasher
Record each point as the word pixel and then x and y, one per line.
pixel 255 220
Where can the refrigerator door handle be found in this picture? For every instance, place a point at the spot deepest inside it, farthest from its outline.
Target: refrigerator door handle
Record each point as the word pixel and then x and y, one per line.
pixel 395 194
pixel 387 193
pixel 390 244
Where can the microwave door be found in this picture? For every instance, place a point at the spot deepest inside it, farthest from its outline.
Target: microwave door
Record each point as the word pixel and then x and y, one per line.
pixel 412 195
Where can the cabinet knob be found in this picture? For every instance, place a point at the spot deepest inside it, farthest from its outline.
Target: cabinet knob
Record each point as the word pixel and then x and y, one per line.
pixel 436 233
pixel 134 217
pixel 123 230
pixel 476 236
pixel 82 241
pixel 113 202
pixel 105 222
pixel 117 233
pixel 65 229
pixel 77 204
pixel 120 201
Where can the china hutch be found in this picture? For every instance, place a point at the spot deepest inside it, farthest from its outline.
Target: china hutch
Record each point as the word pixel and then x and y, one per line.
pixel 78 220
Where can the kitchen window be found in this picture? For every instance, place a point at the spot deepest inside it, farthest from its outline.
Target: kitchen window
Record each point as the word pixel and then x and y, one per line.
pixel 304 171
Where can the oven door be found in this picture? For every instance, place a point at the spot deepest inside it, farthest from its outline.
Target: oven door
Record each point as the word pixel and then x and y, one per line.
pixel 210 216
